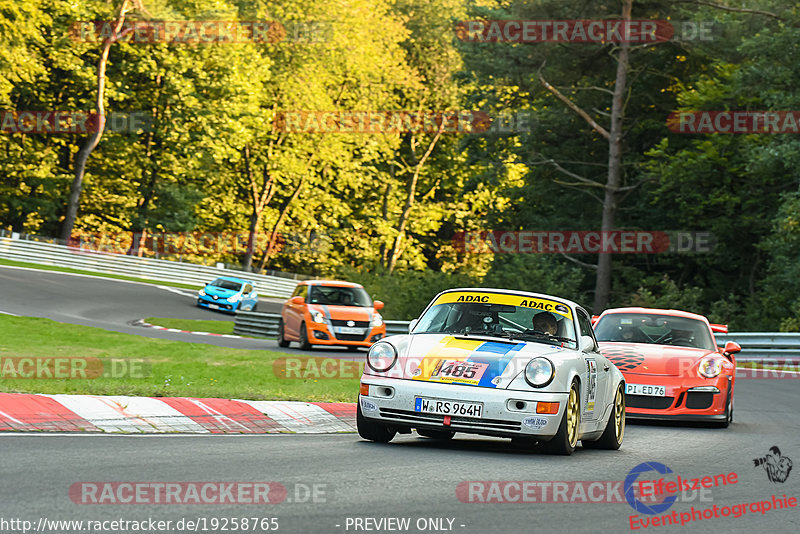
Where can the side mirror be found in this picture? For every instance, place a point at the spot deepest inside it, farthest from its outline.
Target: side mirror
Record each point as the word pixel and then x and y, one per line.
pixel 297 300
pixel 731 347
pixel 412 324
pixel 377 304
pixel 587 344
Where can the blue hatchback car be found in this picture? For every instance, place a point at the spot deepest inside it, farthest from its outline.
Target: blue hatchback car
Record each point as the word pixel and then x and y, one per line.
pixel 230 294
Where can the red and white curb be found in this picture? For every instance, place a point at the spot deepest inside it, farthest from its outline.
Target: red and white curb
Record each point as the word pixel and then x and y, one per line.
pixel 165 329
pixel 93 413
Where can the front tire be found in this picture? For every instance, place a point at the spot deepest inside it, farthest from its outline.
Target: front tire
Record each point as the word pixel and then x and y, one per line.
pixel 282 341
pixel 566 438
pixel 372 431
pixel 728 413
pixel 304 344
pixel 615 429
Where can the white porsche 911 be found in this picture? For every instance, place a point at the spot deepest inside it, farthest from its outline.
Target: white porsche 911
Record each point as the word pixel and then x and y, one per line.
pixel 495 362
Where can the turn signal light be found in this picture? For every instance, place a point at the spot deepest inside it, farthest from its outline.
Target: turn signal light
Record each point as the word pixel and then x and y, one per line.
pixel 365 389
pixel 547 407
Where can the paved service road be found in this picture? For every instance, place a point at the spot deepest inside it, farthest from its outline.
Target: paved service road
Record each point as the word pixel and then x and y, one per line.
pixel 413 477
pixel 116 304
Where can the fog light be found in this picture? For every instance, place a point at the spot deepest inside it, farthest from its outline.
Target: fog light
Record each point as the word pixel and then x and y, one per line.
pixel 376 337
pixel 319 334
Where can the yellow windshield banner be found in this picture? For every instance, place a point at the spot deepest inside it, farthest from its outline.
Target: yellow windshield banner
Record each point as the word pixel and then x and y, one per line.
pixel 481 297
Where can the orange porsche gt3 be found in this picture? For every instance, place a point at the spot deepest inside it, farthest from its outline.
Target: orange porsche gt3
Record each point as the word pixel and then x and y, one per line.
pixel 672 365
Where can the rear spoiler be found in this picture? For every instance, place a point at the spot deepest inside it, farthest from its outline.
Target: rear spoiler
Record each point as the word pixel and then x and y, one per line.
pixel 594 319
pixel 719 328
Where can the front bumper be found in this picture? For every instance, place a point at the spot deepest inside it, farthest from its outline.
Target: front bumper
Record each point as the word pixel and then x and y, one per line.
pixel 687 399
pixel 205 301
pixel 506 413
pixel 320 334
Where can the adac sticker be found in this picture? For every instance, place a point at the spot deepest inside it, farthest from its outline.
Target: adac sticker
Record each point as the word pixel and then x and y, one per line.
pixel 368 406
pixel 535 422
pixel 504 298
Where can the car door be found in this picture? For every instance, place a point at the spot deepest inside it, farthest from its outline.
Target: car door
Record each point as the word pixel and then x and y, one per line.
pixel 597 368
pixel 294 313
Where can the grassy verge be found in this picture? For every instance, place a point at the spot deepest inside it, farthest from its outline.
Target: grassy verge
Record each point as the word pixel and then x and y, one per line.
pixel 13 263
pixel 193 325
pixel 170 368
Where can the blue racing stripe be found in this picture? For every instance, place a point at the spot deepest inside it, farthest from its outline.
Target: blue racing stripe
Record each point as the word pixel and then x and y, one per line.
pixel 497 355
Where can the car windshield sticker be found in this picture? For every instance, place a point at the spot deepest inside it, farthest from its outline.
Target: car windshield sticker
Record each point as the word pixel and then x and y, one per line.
pixel 466 361
pixel 504 298
pixel 591 368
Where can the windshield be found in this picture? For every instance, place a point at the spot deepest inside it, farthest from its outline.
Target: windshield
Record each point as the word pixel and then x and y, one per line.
pixel 226 284
pixel 526 320
pixel 654 329
pixel 339 296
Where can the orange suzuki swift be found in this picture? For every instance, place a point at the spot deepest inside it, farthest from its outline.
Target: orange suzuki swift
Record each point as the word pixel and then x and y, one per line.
pixel 330 312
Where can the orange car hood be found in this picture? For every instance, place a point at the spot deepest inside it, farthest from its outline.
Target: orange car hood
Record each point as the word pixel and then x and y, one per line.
pixel 645 358
pixel 344 313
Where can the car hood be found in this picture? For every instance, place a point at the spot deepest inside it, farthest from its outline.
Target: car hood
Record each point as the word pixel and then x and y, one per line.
pixel 220 291
pixel 645 358
pixel 343 313
pixel 495 362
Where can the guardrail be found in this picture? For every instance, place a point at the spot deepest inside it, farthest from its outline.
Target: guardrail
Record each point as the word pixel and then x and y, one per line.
pixel 136 267
pixel 756 346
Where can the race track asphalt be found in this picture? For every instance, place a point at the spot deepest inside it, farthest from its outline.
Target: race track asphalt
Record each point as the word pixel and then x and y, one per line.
pixel 414 477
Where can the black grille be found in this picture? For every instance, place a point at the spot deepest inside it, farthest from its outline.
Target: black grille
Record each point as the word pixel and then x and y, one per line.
pixel 699 400
pixel 456 423
pixel 340 322
pixel 645 401
pixel 351 337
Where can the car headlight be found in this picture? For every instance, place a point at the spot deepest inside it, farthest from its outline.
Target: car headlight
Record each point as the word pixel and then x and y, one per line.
pixel 235 298
pixel 377 320
pixel 202 292
pixel 317 317
pixel 539 372
pixel 710 367
pixel 381 357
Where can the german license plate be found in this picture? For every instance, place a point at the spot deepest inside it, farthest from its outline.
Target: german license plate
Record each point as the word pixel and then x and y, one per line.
pixel 448 407
pixel 349 330
pixel 214 306
pixel 644 389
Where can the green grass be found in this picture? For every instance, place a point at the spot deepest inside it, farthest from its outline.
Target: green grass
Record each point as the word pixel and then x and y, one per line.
pixel 172 368
pixel 193 325
pixel 13 263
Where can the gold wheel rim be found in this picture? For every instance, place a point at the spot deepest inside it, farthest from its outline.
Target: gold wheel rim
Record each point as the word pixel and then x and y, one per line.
pixel 573 417
pixel 619 414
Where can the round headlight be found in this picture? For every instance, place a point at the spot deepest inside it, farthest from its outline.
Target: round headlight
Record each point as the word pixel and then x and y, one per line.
pixel 318 317
pixel 710 367
pixel 539 372
pixel 381 357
